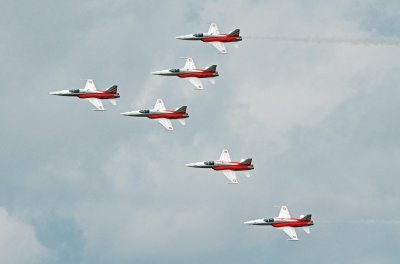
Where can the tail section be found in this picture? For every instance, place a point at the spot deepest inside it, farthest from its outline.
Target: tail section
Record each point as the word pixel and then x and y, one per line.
pixel 306 229
pixel 182 109
pixel 234 33
pixel 246 161
pixel 112 89
pixel 182 121
pixel 112 101
pixel 306 217
pixel 212 68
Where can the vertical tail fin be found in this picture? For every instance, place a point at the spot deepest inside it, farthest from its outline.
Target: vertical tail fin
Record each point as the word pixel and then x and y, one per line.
pixel 234 33
pixel 211 68
pixel 246 161
pixel 306 217
pixel 181 109
pixel 112 89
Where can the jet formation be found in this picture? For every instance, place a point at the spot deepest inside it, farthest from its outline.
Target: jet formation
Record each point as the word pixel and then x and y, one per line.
pixel 160 113
pixel 192 74
pixel 214 37
pixel 226 165
pixel 286 223
pixel 92 95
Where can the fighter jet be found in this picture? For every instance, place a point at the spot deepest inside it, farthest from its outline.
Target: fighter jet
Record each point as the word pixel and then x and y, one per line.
pixel 161 114
pixel 192 74
pixel 225 165
pixel 92 95
pixel 286 223
pixel 214 37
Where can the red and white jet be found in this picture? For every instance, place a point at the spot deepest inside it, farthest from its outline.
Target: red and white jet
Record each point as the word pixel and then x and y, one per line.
pixel 92 95
pixel 214 37
pixel 192 74
pixel 161 114
pixel 225 165
pixel 286 223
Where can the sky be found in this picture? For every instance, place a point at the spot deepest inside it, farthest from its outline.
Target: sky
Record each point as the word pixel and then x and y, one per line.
pixel 319 120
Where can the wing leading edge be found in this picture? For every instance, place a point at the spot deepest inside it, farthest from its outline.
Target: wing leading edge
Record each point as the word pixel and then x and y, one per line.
pixel 219 46
pixel 196 82
pixel 166 123
pixel 291 232
pixel 231 175
pixel 97 103
pixel 284 212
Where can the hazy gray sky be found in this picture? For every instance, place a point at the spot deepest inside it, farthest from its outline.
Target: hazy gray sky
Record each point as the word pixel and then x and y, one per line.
pixel 319 121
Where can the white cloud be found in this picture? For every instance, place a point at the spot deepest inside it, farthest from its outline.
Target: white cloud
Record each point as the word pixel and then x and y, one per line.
pixel 18 242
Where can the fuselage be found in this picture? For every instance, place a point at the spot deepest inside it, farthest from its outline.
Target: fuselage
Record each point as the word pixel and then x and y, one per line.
pixel 80 93
pixel 281 222
pixel 153 114
pixel 205 37
pixel 221 165
pixel 186 73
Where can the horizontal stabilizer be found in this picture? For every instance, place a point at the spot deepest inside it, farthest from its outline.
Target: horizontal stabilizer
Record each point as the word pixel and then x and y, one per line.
pixel 246 162
pixel 182 121
pixel 234 33
pixel 181 109
pixel 306 229
pixel 307 217
pixel 112 101
pixel 212 68
pixel 112 89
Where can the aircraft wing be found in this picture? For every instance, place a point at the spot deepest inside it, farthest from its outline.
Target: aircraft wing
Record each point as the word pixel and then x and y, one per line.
pixel 166 123
pixel 225 156
pixel 189 65
pixel 290 231
pixel 196 82
pixel 213 30
pixel 231 175
pixel 90 86
pixel 97 103
pixel 284 213
pixel 159 106
pixel 219 46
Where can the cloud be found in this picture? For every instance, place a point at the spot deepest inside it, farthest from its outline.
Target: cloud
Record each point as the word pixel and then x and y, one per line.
pixel 18 241
pixel 318 120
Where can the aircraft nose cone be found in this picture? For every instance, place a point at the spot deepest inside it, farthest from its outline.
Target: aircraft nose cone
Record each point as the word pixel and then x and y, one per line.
pixel 179 37
pixel 53 93
pixel 156 72
pixel 190 165
pixel 126 113
pixel 248 222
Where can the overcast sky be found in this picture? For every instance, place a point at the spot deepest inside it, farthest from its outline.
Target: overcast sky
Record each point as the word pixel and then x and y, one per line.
pixel 319 120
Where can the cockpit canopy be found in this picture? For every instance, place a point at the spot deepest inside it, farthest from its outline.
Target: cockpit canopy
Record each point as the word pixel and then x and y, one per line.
pixel 198 35
pixel 209 163
pixel 269 220
pixel 144 111
pixel 74 91
pixel 174 70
